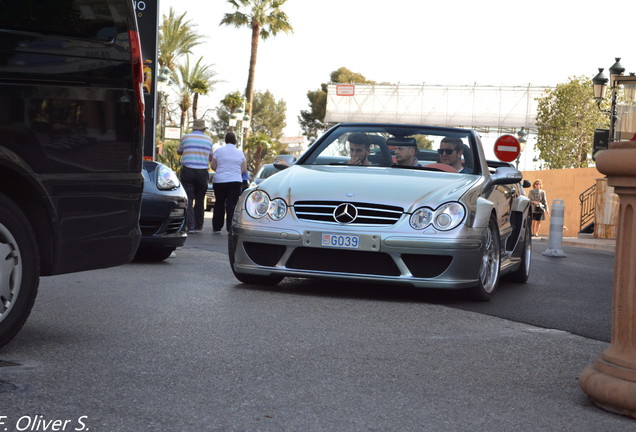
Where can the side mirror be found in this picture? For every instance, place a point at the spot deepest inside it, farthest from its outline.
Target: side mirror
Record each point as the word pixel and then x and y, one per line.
pixel 506 175
pixel 526 184
pixel 280 166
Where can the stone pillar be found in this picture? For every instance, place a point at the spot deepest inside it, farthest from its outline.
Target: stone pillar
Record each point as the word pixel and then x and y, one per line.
pixel 611 380
pixel 606 211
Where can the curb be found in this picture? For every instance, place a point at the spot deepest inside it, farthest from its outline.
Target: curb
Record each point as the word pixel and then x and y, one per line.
pixel 608 245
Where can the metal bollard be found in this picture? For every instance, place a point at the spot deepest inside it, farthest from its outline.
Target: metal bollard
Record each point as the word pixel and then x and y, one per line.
pixel 555 241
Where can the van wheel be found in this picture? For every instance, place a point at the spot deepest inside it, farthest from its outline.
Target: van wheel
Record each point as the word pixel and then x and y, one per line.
pixel 19 269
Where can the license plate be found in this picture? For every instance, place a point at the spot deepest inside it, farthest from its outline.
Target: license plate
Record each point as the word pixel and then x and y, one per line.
pixel 346 241
pixel 178 212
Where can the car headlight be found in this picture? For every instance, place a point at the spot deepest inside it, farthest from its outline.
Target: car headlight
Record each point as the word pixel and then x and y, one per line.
pixel 444 218
pixel 277 209
pixel 448 216
pixel 166 178
pixel 421 218
pixel 257 204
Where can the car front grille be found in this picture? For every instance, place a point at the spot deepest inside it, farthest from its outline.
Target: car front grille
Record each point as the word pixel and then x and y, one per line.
pixel 367 213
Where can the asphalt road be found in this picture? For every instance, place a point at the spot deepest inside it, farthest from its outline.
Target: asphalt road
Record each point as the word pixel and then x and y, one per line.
pixel 572 294
pixel 181 346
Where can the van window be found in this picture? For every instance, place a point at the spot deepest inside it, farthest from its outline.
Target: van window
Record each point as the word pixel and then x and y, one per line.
pixel 89 19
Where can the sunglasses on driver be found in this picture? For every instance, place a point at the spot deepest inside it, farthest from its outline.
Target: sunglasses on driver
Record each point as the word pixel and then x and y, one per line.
pixel 448 151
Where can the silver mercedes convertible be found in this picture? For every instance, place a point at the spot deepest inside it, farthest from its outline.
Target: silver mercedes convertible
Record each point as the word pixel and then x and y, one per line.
pixel 416 205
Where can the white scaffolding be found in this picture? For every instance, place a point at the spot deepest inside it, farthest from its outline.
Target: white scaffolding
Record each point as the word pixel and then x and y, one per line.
pixel 476 107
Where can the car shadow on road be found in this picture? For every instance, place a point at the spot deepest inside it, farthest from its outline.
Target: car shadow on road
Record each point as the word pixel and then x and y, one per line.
pixel 391 292
pixel 362 291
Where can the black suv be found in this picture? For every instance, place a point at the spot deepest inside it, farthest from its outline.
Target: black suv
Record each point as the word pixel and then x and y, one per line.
pixel 71 131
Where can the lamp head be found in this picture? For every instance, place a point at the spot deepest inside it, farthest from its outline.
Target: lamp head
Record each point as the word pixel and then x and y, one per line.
pixel 615 70
pixel 600 85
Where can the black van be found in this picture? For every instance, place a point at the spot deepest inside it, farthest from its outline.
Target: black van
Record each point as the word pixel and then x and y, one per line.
pixel 71 132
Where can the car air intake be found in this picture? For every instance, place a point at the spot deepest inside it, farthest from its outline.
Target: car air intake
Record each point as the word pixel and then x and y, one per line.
pixel 426 266
pixel 365 213
pixel 264 254
pixel 342 261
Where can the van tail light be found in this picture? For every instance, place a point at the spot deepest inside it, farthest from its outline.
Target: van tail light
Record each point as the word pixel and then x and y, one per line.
pixel 137 74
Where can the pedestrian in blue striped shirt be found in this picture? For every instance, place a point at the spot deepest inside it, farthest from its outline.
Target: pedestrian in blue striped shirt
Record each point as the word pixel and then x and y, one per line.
pixel 196 152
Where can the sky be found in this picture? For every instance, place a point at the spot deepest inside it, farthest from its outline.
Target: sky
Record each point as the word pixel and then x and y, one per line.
pixel 462 42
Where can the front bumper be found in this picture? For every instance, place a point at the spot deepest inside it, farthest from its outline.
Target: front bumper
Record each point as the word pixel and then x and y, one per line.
pixel 422 260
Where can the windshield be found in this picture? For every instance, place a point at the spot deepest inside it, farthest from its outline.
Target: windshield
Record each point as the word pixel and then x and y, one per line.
pixel 396 146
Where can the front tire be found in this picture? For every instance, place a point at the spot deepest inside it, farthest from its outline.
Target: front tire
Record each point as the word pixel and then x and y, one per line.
pixel 523 272
pixel 19 269
pixel 489 269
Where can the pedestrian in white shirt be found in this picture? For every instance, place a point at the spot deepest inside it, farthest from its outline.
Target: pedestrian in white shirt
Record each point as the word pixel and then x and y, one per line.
pixel 229 164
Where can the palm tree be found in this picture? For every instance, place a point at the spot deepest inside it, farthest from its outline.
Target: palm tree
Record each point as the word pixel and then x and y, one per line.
pixel 184 97
pixel 265 18
pixel 184 102
pixel 176 37
pixel 198 80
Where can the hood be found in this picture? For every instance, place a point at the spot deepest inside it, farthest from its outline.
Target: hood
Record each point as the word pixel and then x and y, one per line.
pixel 383 185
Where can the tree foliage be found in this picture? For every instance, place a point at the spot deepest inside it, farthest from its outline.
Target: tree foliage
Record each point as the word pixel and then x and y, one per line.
pixel 176 38
pixel 267 124
pixel 257 146
pixel 566 119
pixel 312 121
pixel 228 106
pixel 269 115
pixel 168 155
pixel 265 18
pixel 197 79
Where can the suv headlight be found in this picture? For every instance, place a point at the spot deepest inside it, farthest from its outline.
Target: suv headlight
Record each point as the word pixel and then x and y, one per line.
pixel 444 218
pixel 166 178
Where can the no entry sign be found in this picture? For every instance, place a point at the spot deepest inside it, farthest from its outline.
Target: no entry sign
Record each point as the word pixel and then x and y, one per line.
pixel 507 148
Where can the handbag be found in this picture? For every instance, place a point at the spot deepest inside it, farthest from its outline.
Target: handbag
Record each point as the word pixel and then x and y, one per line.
pixel 538 208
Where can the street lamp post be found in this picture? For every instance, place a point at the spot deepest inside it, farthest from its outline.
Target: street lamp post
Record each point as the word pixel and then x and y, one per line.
pixel 615 80
pixel 240 121
pixel 163 80
pixel 522 136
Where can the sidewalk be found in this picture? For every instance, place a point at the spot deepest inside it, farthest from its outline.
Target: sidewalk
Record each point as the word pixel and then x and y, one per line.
pixel 585 241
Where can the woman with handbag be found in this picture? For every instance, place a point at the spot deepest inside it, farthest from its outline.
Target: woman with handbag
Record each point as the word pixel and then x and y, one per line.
pixel 539 206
